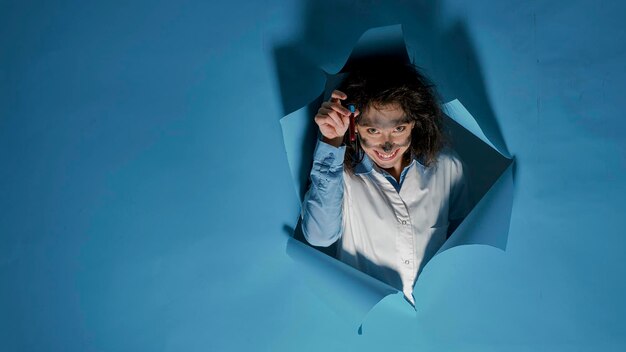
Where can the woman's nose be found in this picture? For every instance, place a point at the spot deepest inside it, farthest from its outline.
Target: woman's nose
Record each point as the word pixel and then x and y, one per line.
pixel 387 146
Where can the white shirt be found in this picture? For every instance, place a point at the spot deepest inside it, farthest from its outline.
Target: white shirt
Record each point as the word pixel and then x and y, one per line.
pixel 386 233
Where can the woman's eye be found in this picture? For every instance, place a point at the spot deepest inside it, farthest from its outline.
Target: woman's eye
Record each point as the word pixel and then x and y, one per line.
pixel 400 128
pixel 372 131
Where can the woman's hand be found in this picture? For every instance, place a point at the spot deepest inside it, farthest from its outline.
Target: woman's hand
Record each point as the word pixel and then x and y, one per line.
pixel 333 119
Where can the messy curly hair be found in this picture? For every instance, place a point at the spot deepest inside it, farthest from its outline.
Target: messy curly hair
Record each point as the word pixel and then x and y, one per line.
pixel 401 84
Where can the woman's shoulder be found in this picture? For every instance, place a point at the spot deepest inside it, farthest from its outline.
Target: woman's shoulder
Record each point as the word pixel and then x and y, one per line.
pixel 448 158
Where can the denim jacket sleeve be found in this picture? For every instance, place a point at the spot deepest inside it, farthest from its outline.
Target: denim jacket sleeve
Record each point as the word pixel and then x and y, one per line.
pixel 322 205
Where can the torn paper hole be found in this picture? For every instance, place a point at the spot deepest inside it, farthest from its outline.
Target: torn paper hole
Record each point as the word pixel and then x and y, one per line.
pixel 351 293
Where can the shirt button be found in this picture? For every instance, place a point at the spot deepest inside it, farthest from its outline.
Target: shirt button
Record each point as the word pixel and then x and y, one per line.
pixel 406 262
pixel 404 222
pixel 332 154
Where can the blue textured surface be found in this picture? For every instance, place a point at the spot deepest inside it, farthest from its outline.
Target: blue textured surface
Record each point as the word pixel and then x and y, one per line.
pixel 146 195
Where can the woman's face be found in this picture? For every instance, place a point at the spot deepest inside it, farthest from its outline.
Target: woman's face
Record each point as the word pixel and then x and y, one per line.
pixel 385 133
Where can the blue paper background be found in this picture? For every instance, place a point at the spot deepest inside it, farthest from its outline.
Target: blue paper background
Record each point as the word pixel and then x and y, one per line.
pixel 146 196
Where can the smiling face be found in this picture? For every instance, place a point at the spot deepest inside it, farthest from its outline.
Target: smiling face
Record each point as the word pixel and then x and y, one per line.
pixel 385 133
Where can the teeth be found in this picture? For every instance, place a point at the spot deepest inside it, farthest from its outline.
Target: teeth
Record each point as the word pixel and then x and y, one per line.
pixel 386 156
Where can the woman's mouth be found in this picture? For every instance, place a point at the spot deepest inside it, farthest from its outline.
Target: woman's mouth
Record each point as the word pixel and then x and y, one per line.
pixel 386 157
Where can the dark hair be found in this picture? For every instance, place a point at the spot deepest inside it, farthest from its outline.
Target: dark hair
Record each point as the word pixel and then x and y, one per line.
pixel 404 85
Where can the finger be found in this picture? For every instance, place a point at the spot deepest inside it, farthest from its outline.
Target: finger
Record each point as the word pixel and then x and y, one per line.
pixel 329 117
pixel 345 120
pixel 328 130
pixel 337 107
pixel 329 112
pixel 336 118
pixel 337 95
pixel 324 112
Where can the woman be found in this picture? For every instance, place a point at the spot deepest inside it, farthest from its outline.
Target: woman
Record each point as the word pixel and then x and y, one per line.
pixel 390 196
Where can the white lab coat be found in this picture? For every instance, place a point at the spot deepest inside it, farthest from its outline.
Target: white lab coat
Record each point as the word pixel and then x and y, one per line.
pixel 391 235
